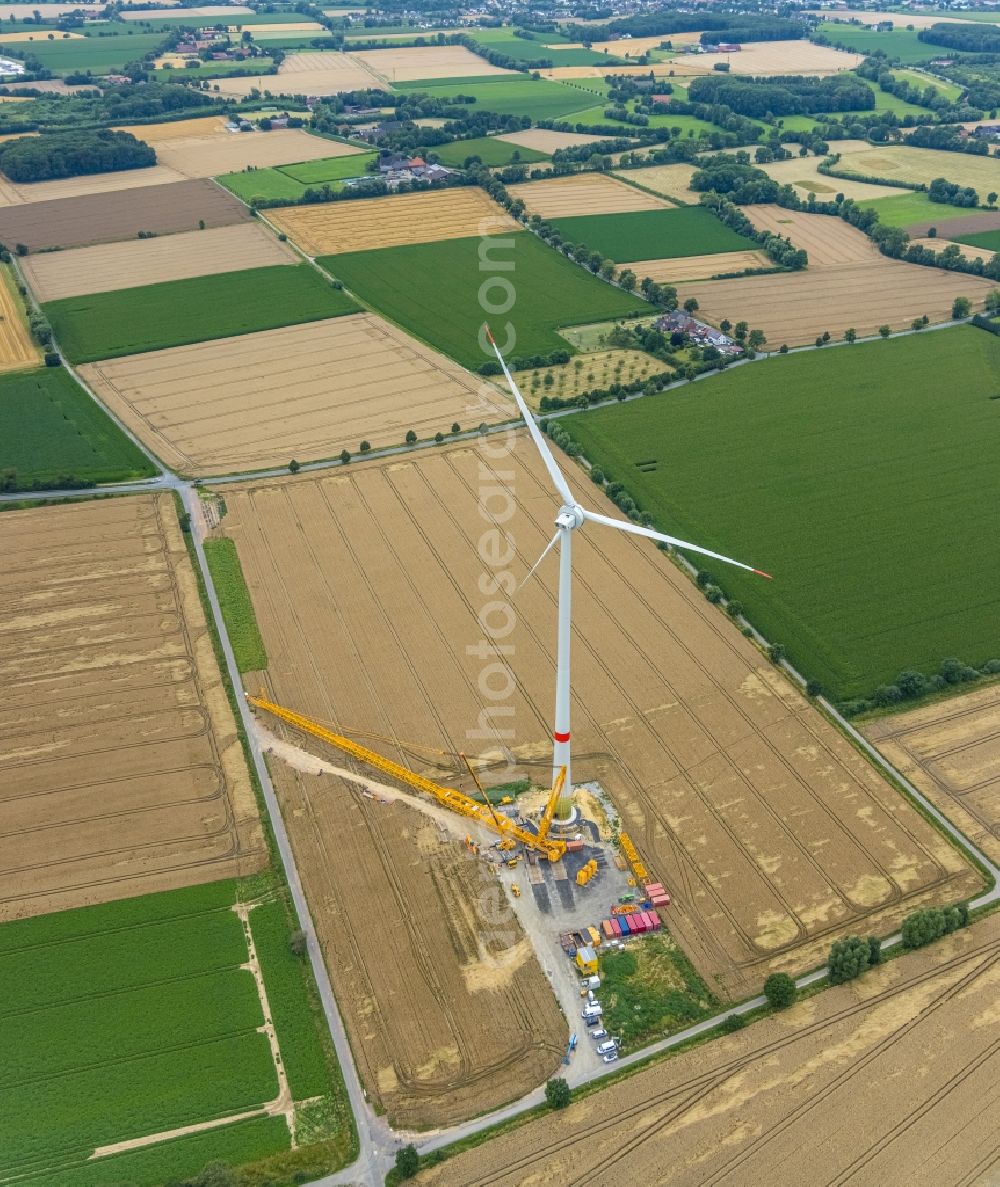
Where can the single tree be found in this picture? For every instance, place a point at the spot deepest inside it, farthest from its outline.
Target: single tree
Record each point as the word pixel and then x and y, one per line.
pixel 407 1161
pixel 756 339
pixel 961 307
pixel 456 427
pixel 364 446
pixel 411 437
pixel 297 942
pixel 294 466
pixel 885 331
pixel 691 305
pixel 557 1094
pixel 780 991
pixel 345 456
pixel 814 688
pixel 991 198
pixel 874 951
pixel 848 959
pixel 850 335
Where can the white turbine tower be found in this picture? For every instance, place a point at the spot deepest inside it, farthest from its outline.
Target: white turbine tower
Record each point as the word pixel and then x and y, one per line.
pixel 572 516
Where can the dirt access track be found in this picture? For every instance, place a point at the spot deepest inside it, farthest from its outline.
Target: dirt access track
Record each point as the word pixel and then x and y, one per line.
pixel 110 266
pixel 448 1010
pixel 589 193
pixel 890 1080
pixel 767 826
pixel 107 218
pixel 951 752
pixel 369 223
pixel 304 392
pixel 120 769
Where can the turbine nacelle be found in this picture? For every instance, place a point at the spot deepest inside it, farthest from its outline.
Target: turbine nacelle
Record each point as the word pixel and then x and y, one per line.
pixel 571 517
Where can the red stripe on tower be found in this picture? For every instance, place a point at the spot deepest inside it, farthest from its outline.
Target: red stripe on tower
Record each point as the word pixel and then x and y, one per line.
pixel 560 737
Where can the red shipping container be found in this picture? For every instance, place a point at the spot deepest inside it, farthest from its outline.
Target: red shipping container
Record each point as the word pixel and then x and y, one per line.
pixel 654 888
pixel 616 929
pixel 654 920
pixel 646 921
pixel 636 922
pixel 606 928
pixel 574 846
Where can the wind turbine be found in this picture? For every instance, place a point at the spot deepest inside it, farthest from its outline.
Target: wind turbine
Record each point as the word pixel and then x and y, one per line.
pixel 571 517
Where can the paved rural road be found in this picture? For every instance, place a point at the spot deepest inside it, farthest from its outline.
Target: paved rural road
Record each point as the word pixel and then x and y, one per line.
pixel 377 1141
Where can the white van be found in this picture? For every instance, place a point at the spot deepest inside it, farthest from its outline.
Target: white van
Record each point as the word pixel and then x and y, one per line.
pixel 607 1048
pixel 592 1010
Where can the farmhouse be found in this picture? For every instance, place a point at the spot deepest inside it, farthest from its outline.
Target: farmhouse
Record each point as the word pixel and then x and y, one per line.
pixel 677 321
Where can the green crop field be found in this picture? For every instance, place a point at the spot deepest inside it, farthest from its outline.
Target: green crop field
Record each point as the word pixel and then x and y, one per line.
pixel 509 95
pixel 132 1018
pixel 652 234
pixel 903 210
pixel 862 477
pixel 99 55
pixel 490 151
pixel 51 429
pixel 234 600
pixel 264 183
pixel 987 240
pixel 155 316
pixel 897 43
pixel 689 125
pixel 329 169
pixel 503 41
pixel 550 291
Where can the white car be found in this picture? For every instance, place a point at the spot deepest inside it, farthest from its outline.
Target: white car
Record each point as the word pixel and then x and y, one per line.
pixel 599 1034
pixel 611 1057
pixel 607 1048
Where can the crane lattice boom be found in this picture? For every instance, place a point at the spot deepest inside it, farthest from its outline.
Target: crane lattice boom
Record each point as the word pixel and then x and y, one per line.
pixel 455 801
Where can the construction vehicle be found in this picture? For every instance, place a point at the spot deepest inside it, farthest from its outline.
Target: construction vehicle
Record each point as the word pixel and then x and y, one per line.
pixel 633 858
pixel 455 801
pixel 515 890
pixel 511 862
pixel 550 808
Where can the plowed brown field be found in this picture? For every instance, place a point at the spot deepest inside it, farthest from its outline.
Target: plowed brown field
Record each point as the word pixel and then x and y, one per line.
pixel 17 349
pixel 770 830
pixel 303 392
pixel 951 752
pixel 120 769
pixel 110 266
pixel 102 218
pixel 588 193
pixel 699 267
pixel 888 1080
pixel 389 222
pixel 796 307
pixel 448 1010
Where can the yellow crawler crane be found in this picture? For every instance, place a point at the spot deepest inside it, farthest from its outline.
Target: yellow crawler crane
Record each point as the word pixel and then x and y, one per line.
pixel 550 808
pixel 632 855
pixel 456 801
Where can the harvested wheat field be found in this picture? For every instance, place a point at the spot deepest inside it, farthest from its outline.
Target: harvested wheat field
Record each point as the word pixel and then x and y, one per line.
pixel 306 74
pixel 585 193
pixel 768 58
pixel 951 752
pixel 966 250
pixel 21 194
pixel 304 392
pixel 922 165
pixel 17 348
pixel 210 156
pixel 671 180
pixel 102 218
pixel 110 266
pixel 888 1080
pixel 801 173
pixel 448 1010
pixel 542 140
pixel 899 19
pixel 120 769
pixel 368 223
pixel 700 267
pixel 215 126
pixel 427 62
pixel 829 241
pixel 771 832
pixel 796 307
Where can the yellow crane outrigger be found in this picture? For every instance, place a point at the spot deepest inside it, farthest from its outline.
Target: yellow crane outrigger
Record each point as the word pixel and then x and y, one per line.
pixel 456 801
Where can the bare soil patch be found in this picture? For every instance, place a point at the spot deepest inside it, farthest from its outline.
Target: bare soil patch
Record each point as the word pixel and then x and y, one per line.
pixel 967 224
pixel 772 833
pixel 801 173
pixel 102 218
pixel 587 193
pixel 369 223
pixel 890 1080
pixel 303 392
pixel 437 61
pixel 951 752
pixel 110 266
pixel 796 307
pixel 829 241
pixel 700 267
pixel 120 769
pixel 448 1010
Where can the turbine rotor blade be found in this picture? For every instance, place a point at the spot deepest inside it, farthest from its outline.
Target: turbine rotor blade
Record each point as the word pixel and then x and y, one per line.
pixel 557 476
pixel 531 572
pixel 624 526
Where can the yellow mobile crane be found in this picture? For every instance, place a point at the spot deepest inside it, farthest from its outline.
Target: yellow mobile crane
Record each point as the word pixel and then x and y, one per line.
pixel 456 801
